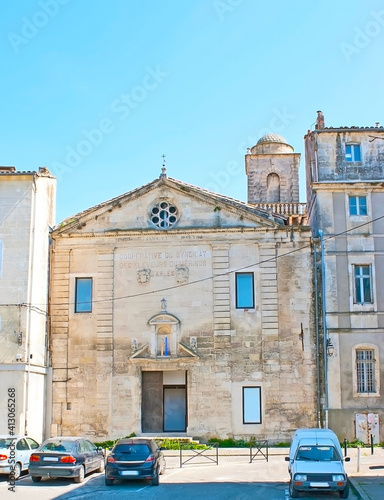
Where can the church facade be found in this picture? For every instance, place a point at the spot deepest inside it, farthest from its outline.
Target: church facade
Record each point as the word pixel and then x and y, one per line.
pixel 175 310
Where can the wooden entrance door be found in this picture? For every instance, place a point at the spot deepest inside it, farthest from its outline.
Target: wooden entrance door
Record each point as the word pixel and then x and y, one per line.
pixel 152 402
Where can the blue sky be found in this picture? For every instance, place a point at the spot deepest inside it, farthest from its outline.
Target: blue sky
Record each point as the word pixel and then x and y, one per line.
pixel 98 91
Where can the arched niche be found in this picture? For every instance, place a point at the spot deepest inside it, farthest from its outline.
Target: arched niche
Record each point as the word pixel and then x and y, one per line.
pixel 165 330
pixel 273 188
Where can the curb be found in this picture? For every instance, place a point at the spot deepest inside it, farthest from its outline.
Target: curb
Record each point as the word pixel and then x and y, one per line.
pixel 358 489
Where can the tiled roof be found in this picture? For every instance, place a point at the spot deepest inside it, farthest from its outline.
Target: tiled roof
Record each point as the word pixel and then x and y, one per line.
pixel 42 172
pixel 381 128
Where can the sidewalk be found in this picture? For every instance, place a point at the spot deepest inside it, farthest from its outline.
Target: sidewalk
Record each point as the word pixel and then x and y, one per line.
pixel 368 481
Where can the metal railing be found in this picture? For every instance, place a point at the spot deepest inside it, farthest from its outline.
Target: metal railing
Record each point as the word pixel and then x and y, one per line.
pixel 200 453
pixel 258 447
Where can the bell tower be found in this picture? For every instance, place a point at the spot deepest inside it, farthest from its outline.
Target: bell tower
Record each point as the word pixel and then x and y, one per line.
pixel 272 169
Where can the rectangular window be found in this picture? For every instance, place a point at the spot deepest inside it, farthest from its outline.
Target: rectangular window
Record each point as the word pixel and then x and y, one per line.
pixel 363 288
pixel 83 295
pixel 358 205
pixel 352 152
pixel 251 405
pixel 244 291
pixel 365 370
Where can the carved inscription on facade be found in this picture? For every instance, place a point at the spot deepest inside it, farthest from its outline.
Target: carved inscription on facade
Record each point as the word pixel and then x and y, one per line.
pixel 151 263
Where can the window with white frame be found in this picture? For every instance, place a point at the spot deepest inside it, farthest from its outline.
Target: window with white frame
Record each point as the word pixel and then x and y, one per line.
pixel 352 152
pixel 363 284
pixel 83 295
pixel 245 291
pixel 251 405
pixel 365 370
pixel 358 205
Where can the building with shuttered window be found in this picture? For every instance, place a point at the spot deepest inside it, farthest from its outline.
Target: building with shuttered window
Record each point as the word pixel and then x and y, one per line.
pixel 345 193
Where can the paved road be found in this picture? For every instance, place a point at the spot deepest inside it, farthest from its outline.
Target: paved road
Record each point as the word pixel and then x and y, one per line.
pixel 233 479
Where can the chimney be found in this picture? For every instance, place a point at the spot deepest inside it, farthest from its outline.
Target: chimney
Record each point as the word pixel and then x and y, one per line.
pixel 319 121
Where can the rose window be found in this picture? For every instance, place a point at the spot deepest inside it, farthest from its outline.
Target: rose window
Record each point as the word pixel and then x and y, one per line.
pixel 164 215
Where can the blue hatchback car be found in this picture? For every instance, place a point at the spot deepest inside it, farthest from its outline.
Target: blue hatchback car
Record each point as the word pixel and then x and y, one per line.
pixel 135 458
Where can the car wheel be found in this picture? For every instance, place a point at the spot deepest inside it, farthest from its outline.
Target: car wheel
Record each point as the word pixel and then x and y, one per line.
pixel 162 467
pixel 17 471
pixel 101 467
pixel 36 479
pixel 155 479
pixel 293 491
pixel 344 493
pixel 80 477
pixel 108 482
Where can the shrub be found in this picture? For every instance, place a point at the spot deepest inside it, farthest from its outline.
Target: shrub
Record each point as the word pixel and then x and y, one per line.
pixel 111 444
pixel 354 444
pixel 175 444
pixel 233 443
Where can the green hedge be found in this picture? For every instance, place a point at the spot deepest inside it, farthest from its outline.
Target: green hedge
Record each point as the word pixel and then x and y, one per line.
pixel 111 444
pixel 174 444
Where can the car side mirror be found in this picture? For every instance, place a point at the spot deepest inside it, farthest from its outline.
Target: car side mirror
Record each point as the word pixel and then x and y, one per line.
pixel 347 459
pixel 286 459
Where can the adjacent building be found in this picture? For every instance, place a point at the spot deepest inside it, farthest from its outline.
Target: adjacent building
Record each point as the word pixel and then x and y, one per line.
pixel 177 310
pixel 345 195
pixel 27 211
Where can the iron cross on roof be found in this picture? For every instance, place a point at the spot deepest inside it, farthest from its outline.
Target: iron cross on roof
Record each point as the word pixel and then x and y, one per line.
pixel 163 169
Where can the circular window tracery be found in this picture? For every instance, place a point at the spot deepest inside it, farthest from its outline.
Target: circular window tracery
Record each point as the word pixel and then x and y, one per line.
pixel 164 215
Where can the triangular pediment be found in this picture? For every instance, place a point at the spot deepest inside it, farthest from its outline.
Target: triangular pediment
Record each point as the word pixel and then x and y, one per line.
pixel 184 353
pixel 167 204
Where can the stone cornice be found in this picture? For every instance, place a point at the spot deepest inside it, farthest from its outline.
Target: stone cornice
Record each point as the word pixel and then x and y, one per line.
pixel 183 235
pixel 344 185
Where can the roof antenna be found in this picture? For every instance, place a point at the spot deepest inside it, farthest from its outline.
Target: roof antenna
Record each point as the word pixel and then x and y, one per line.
pixel 163 169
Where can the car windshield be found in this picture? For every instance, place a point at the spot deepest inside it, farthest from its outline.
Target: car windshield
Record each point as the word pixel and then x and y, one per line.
pixel 64 446
pixel 5 442
pixel 132 451
pixel 317 453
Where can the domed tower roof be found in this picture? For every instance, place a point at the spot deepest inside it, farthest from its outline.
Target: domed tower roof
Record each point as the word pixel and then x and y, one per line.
pixel 268 138
pixel 271 143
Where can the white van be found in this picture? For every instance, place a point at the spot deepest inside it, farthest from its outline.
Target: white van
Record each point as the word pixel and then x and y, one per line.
pixel 316 463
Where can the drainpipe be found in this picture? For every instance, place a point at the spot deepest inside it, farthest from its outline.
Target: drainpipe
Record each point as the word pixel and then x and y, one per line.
pixel 324 321
pixel 29 298
pixel 317 337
